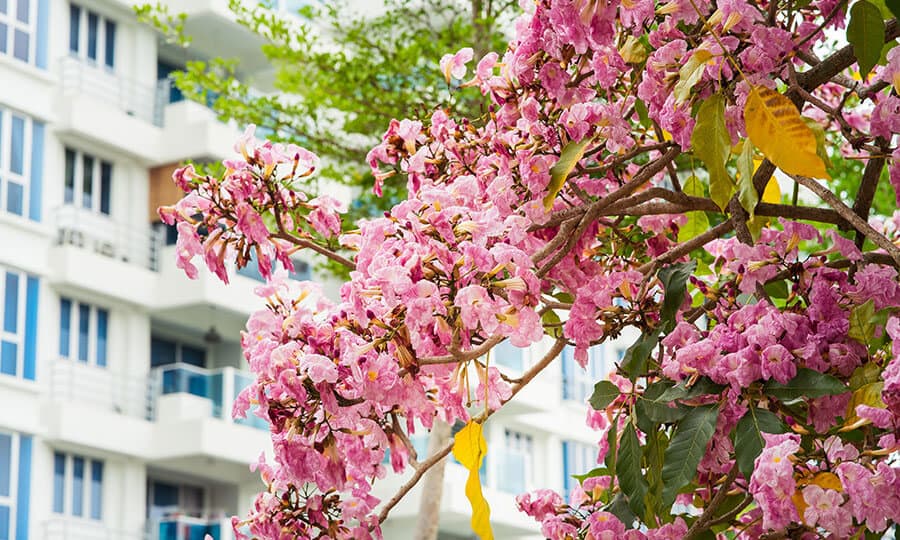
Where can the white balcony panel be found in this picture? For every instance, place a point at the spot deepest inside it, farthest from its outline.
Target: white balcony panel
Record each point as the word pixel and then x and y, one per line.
pixel 25 243
pixel 192 131
pixel 33 90
pixel 84 529
pixel 72 266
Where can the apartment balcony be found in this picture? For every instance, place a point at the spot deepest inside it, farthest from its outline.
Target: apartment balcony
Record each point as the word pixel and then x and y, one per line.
pixel 183 391
pixel 72 381
pixel 96 254
pixel 67 528
pixel 108 109
pixel 182 527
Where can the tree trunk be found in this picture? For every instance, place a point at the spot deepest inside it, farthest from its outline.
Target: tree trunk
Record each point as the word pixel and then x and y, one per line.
pixel 432 485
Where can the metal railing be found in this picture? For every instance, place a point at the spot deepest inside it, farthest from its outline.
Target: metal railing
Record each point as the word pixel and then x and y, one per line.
pixel 84 529
pixel 178 527
pixel 220 386
pixel 71 380
pixel 135 98
pixel 97 232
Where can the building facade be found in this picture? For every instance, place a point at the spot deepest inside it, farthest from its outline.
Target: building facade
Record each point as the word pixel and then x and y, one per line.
pixel 117 373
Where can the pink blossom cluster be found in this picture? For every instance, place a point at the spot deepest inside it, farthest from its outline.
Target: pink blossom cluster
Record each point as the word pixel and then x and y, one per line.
pixel 564 197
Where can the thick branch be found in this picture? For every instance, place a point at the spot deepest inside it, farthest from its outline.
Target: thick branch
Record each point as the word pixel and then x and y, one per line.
pixel 866 193
pixel 687 247
pixel 838 62
pixel 302 242
pixel 705 519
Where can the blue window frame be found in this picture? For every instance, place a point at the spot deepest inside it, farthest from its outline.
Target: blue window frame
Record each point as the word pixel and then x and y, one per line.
pixel 15 485
pixel 21 164
pixel 84 329
pixel 77 486
pixel 578 458
pixel 18 323
pixel 577 382
pixel 23 30
pixel 85 175
pixel 92 36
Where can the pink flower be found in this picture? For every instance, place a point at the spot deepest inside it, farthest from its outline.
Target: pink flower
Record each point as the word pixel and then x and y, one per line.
pixel 886 117
pixel 824 509
pixel 453 66
pixel 187 245
pixel 772 483
pixel 605 526
pixel 250 223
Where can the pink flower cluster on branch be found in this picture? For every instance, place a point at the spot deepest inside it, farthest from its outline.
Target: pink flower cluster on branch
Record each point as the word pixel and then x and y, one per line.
pixel 762 396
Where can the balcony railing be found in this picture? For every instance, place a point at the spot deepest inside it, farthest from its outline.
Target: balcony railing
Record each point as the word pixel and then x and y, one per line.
pixel 219 386
pixel 135 98
pixel 100 234
pixel 73 381
pixel 83 529
pixel 189 528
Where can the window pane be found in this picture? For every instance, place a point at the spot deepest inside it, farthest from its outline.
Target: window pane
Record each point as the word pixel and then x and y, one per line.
pixel 22 10
pixel 65 326
pixel 162 352
pixel 20 45
pixel 11 303
pixel 193 356
pixel 4 522
pixel 17 146
pixel 105 185
pixel 508 355
pixel 93 23
pixel 5 464
pixel 84 320
pixel 8 357
pixel 96 489
pixel 15 198
pixel 110 43
pixel 74 26
pixel 59 482
pixel 78 486
pixel 102 323
pixel 4 33
pixel 69 192
pixel 2 6
pixel 87 184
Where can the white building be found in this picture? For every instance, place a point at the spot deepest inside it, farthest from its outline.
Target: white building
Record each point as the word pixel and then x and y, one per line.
pixel 117 373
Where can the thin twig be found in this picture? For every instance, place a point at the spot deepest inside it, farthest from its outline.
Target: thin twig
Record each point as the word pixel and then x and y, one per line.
pixel 847 213
pixel 526 378
pixel 687 247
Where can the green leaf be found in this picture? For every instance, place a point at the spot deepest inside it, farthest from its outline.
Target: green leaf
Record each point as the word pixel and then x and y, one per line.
pixel 865 374
pixel 690 74
pixel 701 387
pixel 611 438
pixel 807 384
pixel 693 187
pixel 865 33
pixel 569 157
pixel 552 322
pixel 599 471
pixel 655 454
pixel 605 393
pixel 697 224
pixel 686 450
pixel 654 406
pixel 628 470
pixel 777 289
pixel 712 144
pixel 635 360
pixel 674 280
pixel 747 194
pixel 748 441
pixel 619 508
pixel 862 322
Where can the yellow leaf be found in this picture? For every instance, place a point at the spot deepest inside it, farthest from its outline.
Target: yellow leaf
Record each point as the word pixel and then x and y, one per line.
pixel 559 173
pixel 772 193
pixel 690 74
pixel 775 127
pixel 469 448
pixel 867 394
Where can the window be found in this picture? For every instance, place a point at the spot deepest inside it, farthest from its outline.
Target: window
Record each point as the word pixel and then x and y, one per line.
pixel 18 29
pixel 15 483
pixel 508 356
pixel 578 458
pixel 165 498
pixel 83 331
pixel 88 181
pixel 514 471
pixel 21 164
pixel 301 272
pixel 578 383
pixel 77 486
pixel 18 323
pixel 92 36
